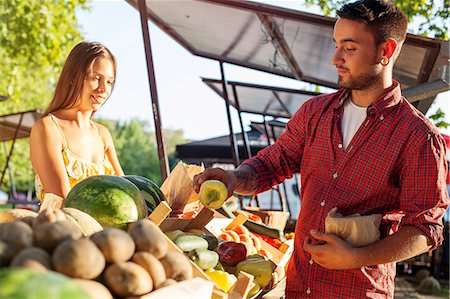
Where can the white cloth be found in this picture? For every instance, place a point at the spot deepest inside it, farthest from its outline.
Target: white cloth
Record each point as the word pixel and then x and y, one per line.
pixel 353 117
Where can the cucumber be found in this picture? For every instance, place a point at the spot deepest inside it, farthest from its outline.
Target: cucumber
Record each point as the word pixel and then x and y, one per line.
pixel 212 242
pixel 265 230
pixel 189 243
pixel 204 258
pixel 255 227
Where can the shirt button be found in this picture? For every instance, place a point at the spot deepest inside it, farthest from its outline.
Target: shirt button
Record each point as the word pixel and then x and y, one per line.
pixel 335 175
pixel 308 291
pixel 311 262
pixel 339 145
pixel 381 117
pixel 322 203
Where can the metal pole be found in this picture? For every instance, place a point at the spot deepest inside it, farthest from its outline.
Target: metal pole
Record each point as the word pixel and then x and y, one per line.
pixel 233 144
pixel 247 150
pixel 8 155
pixel 163 161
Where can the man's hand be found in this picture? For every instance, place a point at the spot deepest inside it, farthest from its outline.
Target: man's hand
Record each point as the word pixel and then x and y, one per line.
pixel 226 177
pixel 330 251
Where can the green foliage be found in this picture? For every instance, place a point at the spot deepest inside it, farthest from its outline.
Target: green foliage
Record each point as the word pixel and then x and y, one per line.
pixel 35 38
pixel 20 166
pixel 431 16
pixel 439 119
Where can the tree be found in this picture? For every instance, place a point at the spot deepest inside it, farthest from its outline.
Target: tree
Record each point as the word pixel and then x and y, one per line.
pixel 35 38
pixel 431 16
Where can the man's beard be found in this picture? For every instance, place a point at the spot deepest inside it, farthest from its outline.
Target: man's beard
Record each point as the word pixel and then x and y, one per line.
pixel 362 82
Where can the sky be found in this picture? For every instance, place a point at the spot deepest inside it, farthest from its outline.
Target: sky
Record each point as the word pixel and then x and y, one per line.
pixel 185 102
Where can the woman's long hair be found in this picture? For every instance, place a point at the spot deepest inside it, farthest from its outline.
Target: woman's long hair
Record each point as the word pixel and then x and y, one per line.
pixel 74 73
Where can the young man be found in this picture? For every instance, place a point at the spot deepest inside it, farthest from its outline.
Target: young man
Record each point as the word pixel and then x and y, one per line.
pixel 363 149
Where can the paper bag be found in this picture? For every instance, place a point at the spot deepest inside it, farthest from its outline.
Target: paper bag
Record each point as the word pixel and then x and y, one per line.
pixel 178 187
pixel 355 229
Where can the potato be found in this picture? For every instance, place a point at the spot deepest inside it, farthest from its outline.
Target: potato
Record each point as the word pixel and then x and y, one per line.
pixel 48 215
pixel 94 288
pixel 152 265
pixel 128 279
pixel 177 266
pixel 115 244
pixel 50 234
pixel 148 237
pixel 14 236
pixel 35 254
pixel 78 259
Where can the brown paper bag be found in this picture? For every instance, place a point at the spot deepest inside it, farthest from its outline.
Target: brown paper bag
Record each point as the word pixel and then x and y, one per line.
pixel 178 187
pixel 51 202
pixel 355 229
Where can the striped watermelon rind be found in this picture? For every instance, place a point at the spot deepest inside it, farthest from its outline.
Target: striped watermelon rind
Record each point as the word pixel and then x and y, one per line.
pixel 111 200
pixel 153 196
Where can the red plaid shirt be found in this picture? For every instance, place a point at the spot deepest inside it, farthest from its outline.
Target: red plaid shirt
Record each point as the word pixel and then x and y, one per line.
pixel 394 165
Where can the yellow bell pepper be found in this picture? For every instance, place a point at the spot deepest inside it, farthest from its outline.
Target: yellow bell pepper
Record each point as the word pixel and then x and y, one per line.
pixel 260 268
pixel 223 279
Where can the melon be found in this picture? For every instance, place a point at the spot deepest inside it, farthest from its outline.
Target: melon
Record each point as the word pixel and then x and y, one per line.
pixel 149 190
pixel 111 200
pixel 20 283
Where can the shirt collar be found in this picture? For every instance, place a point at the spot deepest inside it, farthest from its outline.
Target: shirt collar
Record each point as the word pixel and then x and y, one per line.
pixel 390 98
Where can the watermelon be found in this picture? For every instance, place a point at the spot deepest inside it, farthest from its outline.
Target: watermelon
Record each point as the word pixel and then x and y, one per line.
pixel 149 190
pixel 22 283
pixel 111 200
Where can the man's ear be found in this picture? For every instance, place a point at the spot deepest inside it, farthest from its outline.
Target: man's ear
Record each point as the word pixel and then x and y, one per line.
pixel 389 48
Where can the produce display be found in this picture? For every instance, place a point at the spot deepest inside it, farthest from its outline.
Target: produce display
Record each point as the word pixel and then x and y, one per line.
pixel 98 245
pixel 48 254
pixel 223 257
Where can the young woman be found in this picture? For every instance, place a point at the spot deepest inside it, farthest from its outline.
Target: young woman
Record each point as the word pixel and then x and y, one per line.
pixel 66 146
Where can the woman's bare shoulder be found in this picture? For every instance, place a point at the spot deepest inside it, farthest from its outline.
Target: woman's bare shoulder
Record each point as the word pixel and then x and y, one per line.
pixel 103 130
pixel 44 127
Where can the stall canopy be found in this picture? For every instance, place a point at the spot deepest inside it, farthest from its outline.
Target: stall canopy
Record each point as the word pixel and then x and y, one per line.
pixel 281 41
pixel 260 99
pixel 17 125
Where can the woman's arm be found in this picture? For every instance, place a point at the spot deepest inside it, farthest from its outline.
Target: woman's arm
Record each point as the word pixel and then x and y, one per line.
pixel 46 158
pixel 111 150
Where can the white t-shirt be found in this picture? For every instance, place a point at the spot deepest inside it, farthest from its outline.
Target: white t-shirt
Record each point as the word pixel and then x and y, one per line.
pixel 353 117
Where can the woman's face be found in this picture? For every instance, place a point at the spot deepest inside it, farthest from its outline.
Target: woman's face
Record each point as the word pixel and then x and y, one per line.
pixel 97 85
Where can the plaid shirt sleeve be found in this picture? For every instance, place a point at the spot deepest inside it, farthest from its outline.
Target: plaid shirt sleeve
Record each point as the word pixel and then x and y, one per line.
pixel 423 194
pixel 281 160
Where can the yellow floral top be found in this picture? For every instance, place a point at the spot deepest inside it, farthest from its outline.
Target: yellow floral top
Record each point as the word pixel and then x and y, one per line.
pixel 77 168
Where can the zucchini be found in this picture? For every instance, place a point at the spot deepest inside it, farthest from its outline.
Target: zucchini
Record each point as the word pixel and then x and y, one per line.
pixel 265 230
pixel 204 258
pixel 212 242
pixel 189 243
pixel 255 227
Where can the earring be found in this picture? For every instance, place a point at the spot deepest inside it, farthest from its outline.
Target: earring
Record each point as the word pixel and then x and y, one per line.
pixel 384 61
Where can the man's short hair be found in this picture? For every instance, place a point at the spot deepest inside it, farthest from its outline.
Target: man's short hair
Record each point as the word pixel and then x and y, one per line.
pixel 383 18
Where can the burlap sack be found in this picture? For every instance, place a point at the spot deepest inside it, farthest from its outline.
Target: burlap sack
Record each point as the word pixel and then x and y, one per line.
pixel 178 187
pixel 355 229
